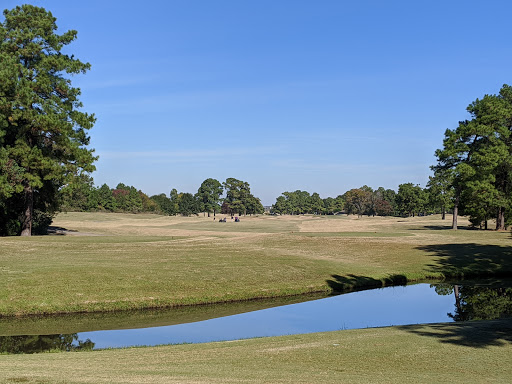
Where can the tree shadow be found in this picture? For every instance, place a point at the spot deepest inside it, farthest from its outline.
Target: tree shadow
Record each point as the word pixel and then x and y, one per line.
pixel 435 228
pixel 476 334
pixel 352 282
pixel 59 231
pixel 470 259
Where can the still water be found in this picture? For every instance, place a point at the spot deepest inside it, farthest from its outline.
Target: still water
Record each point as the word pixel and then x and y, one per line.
pixel 401 305
pixel 373 308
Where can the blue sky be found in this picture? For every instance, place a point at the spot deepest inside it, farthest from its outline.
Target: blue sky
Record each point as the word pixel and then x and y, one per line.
pixel 322 96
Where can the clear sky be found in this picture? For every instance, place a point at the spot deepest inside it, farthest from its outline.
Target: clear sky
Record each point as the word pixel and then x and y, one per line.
pixel 317 95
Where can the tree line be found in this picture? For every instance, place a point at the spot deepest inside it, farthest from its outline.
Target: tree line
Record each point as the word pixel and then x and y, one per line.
pixel 410 200
pixel 209 198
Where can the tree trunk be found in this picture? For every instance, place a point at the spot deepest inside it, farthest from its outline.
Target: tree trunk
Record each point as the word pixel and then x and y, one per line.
pixel 457 297
pixel 455 213
pixel 500 219
pixel 28 212
pixel 443 214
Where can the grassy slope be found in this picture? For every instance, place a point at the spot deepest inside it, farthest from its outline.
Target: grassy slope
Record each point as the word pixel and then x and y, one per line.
pixel 137 261
pixel 478 352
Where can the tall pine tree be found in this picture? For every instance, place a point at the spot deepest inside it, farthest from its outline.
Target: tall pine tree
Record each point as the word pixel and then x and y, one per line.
pixel 43 132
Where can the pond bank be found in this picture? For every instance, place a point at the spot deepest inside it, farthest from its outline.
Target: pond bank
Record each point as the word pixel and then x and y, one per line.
pixel 477 352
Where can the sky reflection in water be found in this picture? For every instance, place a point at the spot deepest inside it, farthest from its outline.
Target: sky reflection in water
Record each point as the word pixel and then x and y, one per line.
pixel 413 304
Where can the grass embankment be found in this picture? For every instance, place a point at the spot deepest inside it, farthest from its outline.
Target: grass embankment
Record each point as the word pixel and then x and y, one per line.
pixel 117 261
pixel 479 352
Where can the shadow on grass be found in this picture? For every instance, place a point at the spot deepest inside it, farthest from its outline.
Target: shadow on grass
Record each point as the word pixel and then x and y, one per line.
pixel 60 231
pixel 477 334
pixel 435 228
pixel 470 259
pixel 354 283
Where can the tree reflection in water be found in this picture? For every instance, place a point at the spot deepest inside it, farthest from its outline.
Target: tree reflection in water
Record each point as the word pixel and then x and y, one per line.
pixel 478 302
pixel 43 343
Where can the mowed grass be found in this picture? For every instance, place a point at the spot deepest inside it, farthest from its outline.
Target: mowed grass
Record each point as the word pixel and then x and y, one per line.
pixel 479 352
pixel 110 262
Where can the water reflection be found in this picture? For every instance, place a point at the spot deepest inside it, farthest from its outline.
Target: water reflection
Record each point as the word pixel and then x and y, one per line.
pixel 44 343
pixel 478 302
pixel 403 305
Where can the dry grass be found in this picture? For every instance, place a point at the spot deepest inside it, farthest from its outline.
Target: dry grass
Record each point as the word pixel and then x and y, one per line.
pixel 120 261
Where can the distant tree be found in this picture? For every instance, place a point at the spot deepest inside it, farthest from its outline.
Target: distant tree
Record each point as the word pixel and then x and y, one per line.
pixel 339 203
pixel 329 205
pixel 316 204
pixel 411 199
pixel 43 139
pixel 237 192
pixel 254 206
pixel 188 205
pixel 209 194
pixel 225 208
pixel 164 204
pixel 357 201
pixel 383 208
pixel 127 199
pixel 175 202
pixel 106 200
pixel 80 195
pixel 281 206
pixel 148 205
pixel 389 197
pixel 440 190
pixel 299 202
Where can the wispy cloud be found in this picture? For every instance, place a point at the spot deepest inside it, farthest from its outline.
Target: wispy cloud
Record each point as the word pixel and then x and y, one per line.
pixel 189 155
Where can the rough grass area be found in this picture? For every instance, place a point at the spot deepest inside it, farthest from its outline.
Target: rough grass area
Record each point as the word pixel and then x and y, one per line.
pixel 107 262
pixel 479 352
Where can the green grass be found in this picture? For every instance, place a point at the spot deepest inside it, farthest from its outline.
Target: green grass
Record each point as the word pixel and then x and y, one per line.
pixel 151 261
pixel 479 352
pixel 124 262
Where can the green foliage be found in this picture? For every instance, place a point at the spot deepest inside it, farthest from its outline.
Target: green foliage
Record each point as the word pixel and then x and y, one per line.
pixel 361 201
pixel 239 199
pixel 163 204
pixel 440 191
pixel 476 159
pixel 411 199
pixel 478 302
pixel 127 199
pixel 188 204
pixel 297 203
pixel 175 208
pixel 316 204
pixel 385 201
pixel 106 199
pixel 80 195
pixel 43 343
pixel 43 132
pixel 358 201
pixel 209 194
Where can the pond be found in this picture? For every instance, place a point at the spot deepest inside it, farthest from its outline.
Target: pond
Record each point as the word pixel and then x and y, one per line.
pixel 399 305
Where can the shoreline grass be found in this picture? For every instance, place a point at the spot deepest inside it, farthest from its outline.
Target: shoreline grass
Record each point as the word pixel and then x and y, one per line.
pixel 118 262
pixel 448 352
